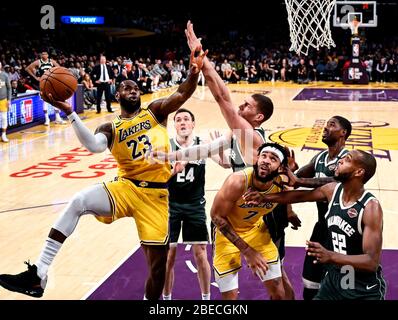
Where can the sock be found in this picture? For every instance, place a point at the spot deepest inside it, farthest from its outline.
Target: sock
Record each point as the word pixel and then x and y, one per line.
pixel 46 117
pixel 47 256
pixel 58 117
pixel 167 297
pixel 205 296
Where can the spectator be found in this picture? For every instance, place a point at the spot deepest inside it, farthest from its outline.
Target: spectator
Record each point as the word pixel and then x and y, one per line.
pixel 392 71
pixel 302 72
pixel 14 88
pixel 89 90
pixel 381 70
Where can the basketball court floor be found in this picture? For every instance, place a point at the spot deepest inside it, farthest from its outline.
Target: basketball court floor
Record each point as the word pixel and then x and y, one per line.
pixel 41 168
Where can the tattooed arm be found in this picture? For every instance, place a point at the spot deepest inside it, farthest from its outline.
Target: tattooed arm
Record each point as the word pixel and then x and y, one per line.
pixel 223 206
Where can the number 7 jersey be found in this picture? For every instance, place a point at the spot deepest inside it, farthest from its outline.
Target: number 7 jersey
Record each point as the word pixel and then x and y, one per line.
pixel 132 138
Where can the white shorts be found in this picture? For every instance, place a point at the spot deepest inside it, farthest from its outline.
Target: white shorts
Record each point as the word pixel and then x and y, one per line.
pixel 230 281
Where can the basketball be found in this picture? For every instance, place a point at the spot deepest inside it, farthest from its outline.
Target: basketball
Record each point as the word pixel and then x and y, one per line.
pixel 58 81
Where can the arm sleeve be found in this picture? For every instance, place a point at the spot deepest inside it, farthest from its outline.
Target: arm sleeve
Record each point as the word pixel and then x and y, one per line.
pixel 95 143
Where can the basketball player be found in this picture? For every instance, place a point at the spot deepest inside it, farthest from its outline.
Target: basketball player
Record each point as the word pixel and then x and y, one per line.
pixel 241 229
pixel 187 206
pixel 255 109
pixel 246 138
pixel 36 69
pixel 354 222
pixel 335 134
pixel 139 191
pixel 5 101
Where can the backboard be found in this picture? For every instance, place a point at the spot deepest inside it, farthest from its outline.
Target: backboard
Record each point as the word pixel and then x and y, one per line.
pixel 346 11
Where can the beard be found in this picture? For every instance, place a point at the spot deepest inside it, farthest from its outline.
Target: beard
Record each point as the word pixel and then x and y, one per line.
pixel 269 177
pixel 328 141
pixel 130 106
pixel 343 177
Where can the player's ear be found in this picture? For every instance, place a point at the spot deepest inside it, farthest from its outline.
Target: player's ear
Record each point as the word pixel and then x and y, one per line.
pixel 260 117
pixel 360 172
pixel 117 96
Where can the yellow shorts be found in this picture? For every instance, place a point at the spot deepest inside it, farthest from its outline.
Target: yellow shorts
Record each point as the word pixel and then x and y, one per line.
pixel 227 257
pixel 4 105
pixel 148 206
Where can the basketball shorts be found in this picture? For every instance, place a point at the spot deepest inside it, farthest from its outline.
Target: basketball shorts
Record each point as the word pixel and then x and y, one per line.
pixel 366 286
pixel 3 105
pixel 191 218
pixel 227 257
pixel 148 206
pixel 313 272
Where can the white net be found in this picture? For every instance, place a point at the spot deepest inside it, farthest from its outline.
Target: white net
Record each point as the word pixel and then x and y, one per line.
pixel 309 22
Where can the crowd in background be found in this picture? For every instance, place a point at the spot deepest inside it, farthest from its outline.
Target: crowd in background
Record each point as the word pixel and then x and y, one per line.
pixel 161 60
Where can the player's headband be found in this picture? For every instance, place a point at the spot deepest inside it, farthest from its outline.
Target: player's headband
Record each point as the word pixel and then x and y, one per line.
pixel 274 150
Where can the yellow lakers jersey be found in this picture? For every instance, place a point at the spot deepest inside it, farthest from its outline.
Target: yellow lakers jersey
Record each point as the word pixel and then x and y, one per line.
pixel 244 217
pixel 132 138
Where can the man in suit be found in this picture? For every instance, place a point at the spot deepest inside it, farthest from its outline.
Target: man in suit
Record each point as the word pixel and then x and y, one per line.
pixel 103 76
pixel 142 78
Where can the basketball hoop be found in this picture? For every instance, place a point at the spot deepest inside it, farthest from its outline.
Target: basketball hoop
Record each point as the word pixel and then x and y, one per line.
pixel 354 25
pixel 309 22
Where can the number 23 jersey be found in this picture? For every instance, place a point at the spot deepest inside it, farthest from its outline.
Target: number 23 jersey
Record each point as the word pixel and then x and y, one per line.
pixel 132 138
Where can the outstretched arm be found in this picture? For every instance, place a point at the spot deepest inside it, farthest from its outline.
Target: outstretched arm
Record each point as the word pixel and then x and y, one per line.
pixel 221 158
pixel 223 205
pixel 323 193
pixel 371 243
pixel 305 177
pixel 196 152
pixel 95 143
pixel 249 141
pixel 163 107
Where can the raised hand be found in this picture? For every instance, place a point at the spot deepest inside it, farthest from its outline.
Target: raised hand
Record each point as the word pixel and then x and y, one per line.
pixel 197 57
pixel 193 41
pixel 291 159
pixel 61 105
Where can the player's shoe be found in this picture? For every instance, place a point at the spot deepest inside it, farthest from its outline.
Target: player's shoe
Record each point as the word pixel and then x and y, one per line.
pixel 60 121
pixel 27 282
pixel 4 138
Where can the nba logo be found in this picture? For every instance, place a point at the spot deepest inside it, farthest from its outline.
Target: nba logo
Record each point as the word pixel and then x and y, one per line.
pixel 355 50
pixel 351 73
pixel 26 111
